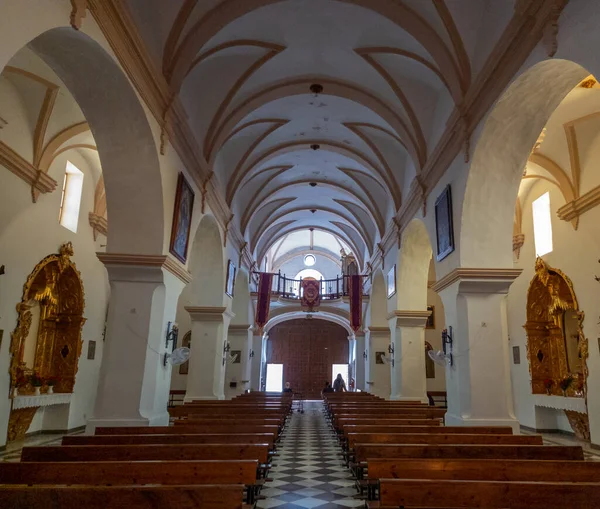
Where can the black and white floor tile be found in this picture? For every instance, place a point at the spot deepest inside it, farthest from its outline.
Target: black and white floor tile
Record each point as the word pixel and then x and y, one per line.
pixel 308 470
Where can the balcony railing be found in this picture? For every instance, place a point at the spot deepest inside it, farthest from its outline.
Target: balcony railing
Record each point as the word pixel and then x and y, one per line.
pixel 330 289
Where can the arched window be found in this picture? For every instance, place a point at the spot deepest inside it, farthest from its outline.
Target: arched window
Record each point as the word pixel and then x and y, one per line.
pixel 315 274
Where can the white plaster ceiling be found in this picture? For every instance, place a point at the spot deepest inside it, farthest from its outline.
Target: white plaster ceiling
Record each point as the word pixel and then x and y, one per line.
pixel 392 72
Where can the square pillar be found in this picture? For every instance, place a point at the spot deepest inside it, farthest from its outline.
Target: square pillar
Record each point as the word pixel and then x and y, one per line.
pixel 478 384
pixel 206 378
pixel 378 382
pixel 256 360
pixel 409 381
pixel 133 387
pixel 360 361
pixel 240 340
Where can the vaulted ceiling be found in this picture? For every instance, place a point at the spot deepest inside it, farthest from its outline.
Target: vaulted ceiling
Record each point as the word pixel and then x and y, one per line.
pixel 318 113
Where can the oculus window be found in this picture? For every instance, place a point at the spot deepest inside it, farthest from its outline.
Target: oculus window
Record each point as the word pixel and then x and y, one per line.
pixel 71 198
pixel 542 225
pixel 309 260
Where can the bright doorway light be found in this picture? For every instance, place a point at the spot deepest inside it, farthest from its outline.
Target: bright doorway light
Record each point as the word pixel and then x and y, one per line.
pixel 542 225
pixel 71 198
pixel 337 369
pixel 315 274
pixel 274 378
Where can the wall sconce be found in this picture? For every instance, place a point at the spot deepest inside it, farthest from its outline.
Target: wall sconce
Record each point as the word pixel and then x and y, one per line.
pixel 447 343
pixel 172 333
pixel 365 354
pixel 391 348
pixel 226 349
pixel 251 354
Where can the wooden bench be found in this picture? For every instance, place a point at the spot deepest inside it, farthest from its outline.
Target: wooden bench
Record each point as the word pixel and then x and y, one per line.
pixel 436 493
pixel 441 438
pixel 131 497
pixel 155 452
pixel 223 438
pixel 365 452
pixel 469 430
pixel 188 429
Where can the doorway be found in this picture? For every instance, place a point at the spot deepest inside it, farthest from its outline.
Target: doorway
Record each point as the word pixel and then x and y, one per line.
pixel 274 378
pixel 337 369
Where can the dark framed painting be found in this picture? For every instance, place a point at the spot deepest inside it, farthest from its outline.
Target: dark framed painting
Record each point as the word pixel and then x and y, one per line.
pixel 186 341
pixel 444 228
pixel 379 357
pixel 182 219
pixel 516 355
pixel 230 281
pixel 430 324
pixel 237 356
pixel 391 282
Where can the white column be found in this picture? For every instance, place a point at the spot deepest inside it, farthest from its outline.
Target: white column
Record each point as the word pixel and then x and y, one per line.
pixel 361 347
pixel 409 381
pixel 133 388
pixel 478 384
pixel 379 374
pixel 255 362
pixel 240 340
pixel 206 376
pixel 351 361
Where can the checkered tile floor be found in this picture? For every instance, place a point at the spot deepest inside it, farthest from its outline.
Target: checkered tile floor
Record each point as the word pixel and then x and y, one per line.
pixel 308 468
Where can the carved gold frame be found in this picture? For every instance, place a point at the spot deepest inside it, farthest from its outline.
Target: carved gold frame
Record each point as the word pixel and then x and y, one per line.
pixel 53 267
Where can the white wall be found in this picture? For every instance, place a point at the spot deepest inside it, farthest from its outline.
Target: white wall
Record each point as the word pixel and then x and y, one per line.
pixel 28 233
pixel 576 254
pixel 434 338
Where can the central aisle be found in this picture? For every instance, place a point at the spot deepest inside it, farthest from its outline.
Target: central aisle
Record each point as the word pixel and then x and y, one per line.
pixel 308 468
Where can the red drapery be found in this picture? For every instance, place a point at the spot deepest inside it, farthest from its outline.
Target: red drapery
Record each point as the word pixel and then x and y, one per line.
pixel 263 302
pixel 311 294
pixel 355 292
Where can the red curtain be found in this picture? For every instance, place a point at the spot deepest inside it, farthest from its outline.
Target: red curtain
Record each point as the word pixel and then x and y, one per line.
pixel 355 292
pixel 264 299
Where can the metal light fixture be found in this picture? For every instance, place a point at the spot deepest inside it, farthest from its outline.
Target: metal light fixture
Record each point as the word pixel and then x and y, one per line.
pixel 251 354
pixel 447 343
pixel 365 354
pixel 172 333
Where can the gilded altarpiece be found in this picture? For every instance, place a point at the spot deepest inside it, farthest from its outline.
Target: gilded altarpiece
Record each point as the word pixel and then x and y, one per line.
pixel 557 348
pixel 47 339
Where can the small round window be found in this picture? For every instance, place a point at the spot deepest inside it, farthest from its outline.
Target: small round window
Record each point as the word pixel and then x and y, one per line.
pixel 309 260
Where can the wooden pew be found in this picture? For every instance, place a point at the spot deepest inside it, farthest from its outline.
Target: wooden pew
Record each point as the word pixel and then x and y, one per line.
pixel 441 439
pixel 130 472
pixel 485 469
pixel 156 452
pixel 131 497
pixel 431 494
pixel 523 452
pixel 187 430
pixel 469 430
pixel 223 438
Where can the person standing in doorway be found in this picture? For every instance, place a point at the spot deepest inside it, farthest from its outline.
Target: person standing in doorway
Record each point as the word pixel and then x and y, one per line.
pixel 339 385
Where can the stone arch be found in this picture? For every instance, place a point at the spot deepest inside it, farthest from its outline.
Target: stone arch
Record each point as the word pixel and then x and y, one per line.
pixel 414 260
pixel 207 287
pixel 123 136
pixel 508 136
pixel 330 317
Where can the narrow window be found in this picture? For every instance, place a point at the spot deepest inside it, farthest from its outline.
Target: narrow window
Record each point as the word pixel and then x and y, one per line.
pixel 71 198
pixel 542 225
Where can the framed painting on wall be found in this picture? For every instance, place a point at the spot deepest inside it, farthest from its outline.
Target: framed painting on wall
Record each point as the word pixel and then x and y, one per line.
pixel 379 357
pixel 391 282
pixel 431 318
pixel 182 219
pixel 444 228
pixel 230 281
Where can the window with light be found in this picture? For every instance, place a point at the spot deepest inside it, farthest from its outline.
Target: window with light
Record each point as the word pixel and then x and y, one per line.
pixel 542 225
pixel 71 198
pixel 309 260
